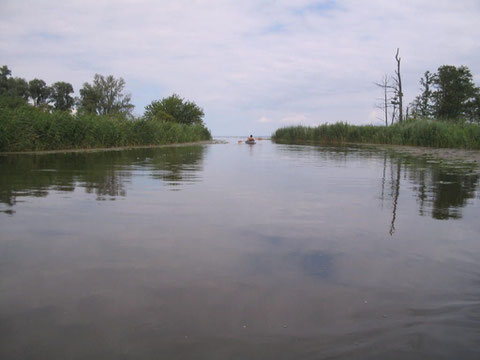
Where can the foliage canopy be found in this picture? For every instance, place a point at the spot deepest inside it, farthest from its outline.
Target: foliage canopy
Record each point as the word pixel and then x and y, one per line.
pixel 105 97
pixel 12 87
pixel 60 96
pixel 449 94
pixel 174 108
pixel 39 92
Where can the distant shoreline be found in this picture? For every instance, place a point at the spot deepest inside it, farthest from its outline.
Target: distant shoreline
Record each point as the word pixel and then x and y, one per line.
pixel 117 148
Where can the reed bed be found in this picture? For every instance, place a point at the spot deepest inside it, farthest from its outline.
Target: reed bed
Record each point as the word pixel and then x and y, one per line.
pixel 30 129
pixel 428 133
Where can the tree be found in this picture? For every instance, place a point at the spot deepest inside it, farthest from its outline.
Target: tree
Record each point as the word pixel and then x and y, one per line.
pixel 60 96
pixel 89 99
pixel 454 92
pixel 423 104
pixel 449 94
pixel 39 91
pixel 385 104
pixel 5 72
pixel 105 96
pixel 394 102
pixel 12 91
pixel 12 87
pixel 175 108
pixel 473 108
pixel 398 99
pixel 18 87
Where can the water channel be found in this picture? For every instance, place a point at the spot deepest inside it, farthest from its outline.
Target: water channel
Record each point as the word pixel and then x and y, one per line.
pixel 235 251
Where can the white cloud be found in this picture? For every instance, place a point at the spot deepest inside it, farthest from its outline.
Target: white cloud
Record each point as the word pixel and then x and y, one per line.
pixel 245 60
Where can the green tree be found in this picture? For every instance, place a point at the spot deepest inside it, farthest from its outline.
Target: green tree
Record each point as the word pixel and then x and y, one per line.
pixel 15 89
pixel 5 73
pixel 39 91
pixel 89 99
pixel 60 96
pixel 454 92
pixel 175 108
pixel 105 97
pixel 18 87
pixel 422 106
pixel 473 107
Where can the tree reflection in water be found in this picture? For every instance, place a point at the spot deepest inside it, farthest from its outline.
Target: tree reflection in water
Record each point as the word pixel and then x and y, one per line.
pixel 104 174
pixel 441 190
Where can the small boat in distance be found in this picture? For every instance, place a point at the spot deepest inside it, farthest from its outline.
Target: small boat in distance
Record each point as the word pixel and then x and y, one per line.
pixel 250 142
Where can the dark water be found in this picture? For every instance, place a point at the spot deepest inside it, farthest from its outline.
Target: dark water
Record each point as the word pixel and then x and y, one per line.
pixel 232 251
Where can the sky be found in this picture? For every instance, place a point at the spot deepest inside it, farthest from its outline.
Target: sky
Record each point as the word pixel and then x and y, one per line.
pixel 252 65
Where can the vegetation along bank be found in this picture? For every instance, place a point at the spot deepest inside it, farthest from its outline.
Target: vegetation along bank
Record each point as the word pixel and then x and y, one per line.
pixel 35 117
pixel 445 115
pixel 411 132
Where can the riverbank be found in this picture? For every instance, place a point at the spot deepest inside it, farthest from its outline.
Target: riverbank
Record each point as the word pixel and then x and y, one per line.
pixel 118 148
pixel 27 128
pixel 426 133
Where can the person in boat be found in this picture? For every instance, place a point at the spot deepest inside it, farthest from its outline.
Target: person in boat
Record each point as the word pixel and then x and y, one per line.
pixel 251 138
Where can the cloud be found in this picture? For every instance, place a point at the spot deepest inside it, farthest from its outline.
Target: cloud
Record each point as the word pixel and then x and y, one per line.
pixel 264 119
pixel 242 61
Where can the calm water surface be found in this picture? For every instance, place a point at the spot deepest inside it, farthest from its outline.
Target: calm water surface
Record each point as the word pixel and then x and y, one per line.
pixel 231 251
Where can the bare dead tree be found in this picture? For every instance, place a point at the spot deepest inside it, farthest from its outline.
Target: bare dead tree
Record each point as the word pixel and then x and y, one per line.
pixel 398 87
pixel 386 89
pixel 395 102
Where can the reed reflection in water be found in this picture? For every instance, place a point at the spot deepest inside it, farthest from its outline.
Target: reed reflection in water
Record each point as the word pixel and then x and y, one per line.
pixel 105 174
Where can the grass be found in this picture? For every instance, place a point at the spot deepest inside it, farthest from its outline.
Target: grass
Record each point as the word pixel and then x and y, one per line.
pixel 26 128
pixel 426 133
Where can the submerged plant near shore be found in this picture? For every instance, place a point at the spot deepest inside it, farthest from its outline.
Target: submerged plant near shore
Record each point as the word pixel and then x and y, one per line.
pixel 415 132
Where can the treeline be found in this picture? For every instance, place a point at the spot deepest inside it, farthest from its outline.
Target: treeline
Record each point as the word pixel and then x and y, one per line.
pixel 34 116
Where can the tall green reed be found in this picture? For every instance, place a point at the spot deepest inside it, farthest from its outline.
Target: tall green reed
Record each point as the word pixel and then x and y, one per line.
pixel 429 133
pixel 27 128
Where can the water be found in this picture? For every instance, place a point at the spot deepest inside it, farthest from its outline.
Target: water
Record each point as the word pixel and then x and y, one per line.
pixel 231 251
